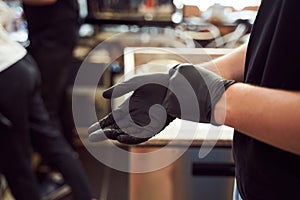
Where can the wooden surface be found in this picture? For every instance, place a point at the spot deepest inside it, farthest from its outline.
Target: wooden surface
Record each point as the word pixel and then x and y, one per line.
pixel 181 133
pixel 134 57
pixel 177 135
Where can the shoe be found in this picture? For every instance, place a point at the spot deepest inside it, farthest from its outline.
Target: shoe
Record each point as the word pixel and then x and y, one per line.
pixel 53 187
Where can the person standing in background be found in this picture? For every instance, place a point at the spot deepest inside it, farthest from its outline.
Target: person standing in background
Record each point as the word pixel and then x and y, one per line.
pixel 16 81
pixel 53 31
pixel 25 123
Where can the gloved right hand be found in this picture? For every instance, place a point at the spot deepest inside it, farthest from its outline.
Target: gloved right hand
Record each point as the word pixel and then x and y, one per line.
pixel 187 92
pixel 197 90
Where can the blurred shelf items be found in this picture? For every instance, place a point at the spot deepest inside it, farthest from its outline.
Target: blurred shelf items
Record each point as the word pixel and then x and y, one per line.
pixel 210 23
pixel 162 23
pixel 216 23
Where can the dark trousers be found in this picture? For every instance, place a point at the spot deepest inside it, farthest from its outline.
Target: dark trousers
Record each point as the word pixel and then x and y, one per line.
pixel 54 61
pixel 53 33
pixel 22 104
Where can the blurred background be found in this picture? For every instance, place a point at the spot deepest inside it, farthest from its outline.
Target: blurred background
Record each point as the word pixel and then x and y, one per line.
pixel 181 24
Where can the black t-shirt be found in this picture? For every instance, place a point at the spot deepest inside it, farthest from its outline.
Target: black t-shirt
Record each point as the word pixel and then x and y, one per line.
pixel 273 61
pixel 54 23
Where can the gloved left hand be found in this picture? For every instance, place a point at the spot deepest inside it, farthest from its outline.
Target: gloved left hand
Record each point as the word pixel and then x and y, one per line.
pixel 141 116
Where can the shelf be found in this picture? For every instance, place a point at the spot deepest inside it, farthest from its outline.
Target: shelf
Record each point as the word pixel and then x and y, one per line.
pixel 129 19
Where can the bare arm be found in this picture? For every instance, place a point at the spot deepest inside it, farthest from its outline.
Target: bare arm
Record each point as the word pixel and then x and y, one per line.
pixel 39 2
pixel 229 66
pixel 269 115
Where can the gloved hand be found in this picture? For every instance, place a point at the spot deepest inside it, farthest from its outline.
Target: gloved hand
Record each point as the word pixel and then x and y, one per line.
pixel 135 120
pixel 187 92
pixel 194 85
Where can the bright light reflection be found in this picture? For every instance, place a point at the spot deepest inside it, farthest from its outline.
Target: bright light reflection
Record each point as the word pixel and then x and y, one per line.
pixel 236 4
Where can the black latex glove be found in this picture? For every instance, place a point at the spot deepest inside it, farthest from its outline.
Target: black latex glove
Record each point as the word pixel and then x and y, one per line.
pixel 198 90
pixel 134 121
pixel 187 92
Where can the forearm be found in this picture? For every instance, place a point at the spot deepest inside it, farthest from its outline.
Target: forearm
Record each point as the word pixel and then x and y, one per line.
pixel 269 115
pixel 229 66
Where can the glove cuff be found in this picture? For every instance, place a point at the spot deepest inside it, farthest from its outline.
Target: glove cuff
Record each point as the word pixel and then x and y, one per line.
pixel 227 84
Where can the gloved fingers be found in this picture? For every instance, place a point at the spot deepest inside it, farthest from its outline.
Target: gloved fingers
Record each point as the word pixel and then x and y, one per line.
pixel 134 83
pixel 96 133
pixel 127 132
pixel 106 121
pixel 119 113
pixel 105 128
pixel 113 132
pixel 97 136
pixel 123 87
pixel 130 133
pixel 175 68
pixel 128 139
pixel 94 127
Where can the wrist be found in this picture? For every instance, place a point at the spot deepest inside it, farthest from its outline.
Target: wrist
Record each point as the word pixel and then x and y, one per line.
pixel 223 108
pixel 220 110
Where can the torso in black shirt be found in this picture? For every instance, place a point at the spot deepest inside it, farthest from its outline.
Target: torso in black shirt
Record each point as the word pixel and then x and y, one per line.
pixel 273 61
pixel 54 23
